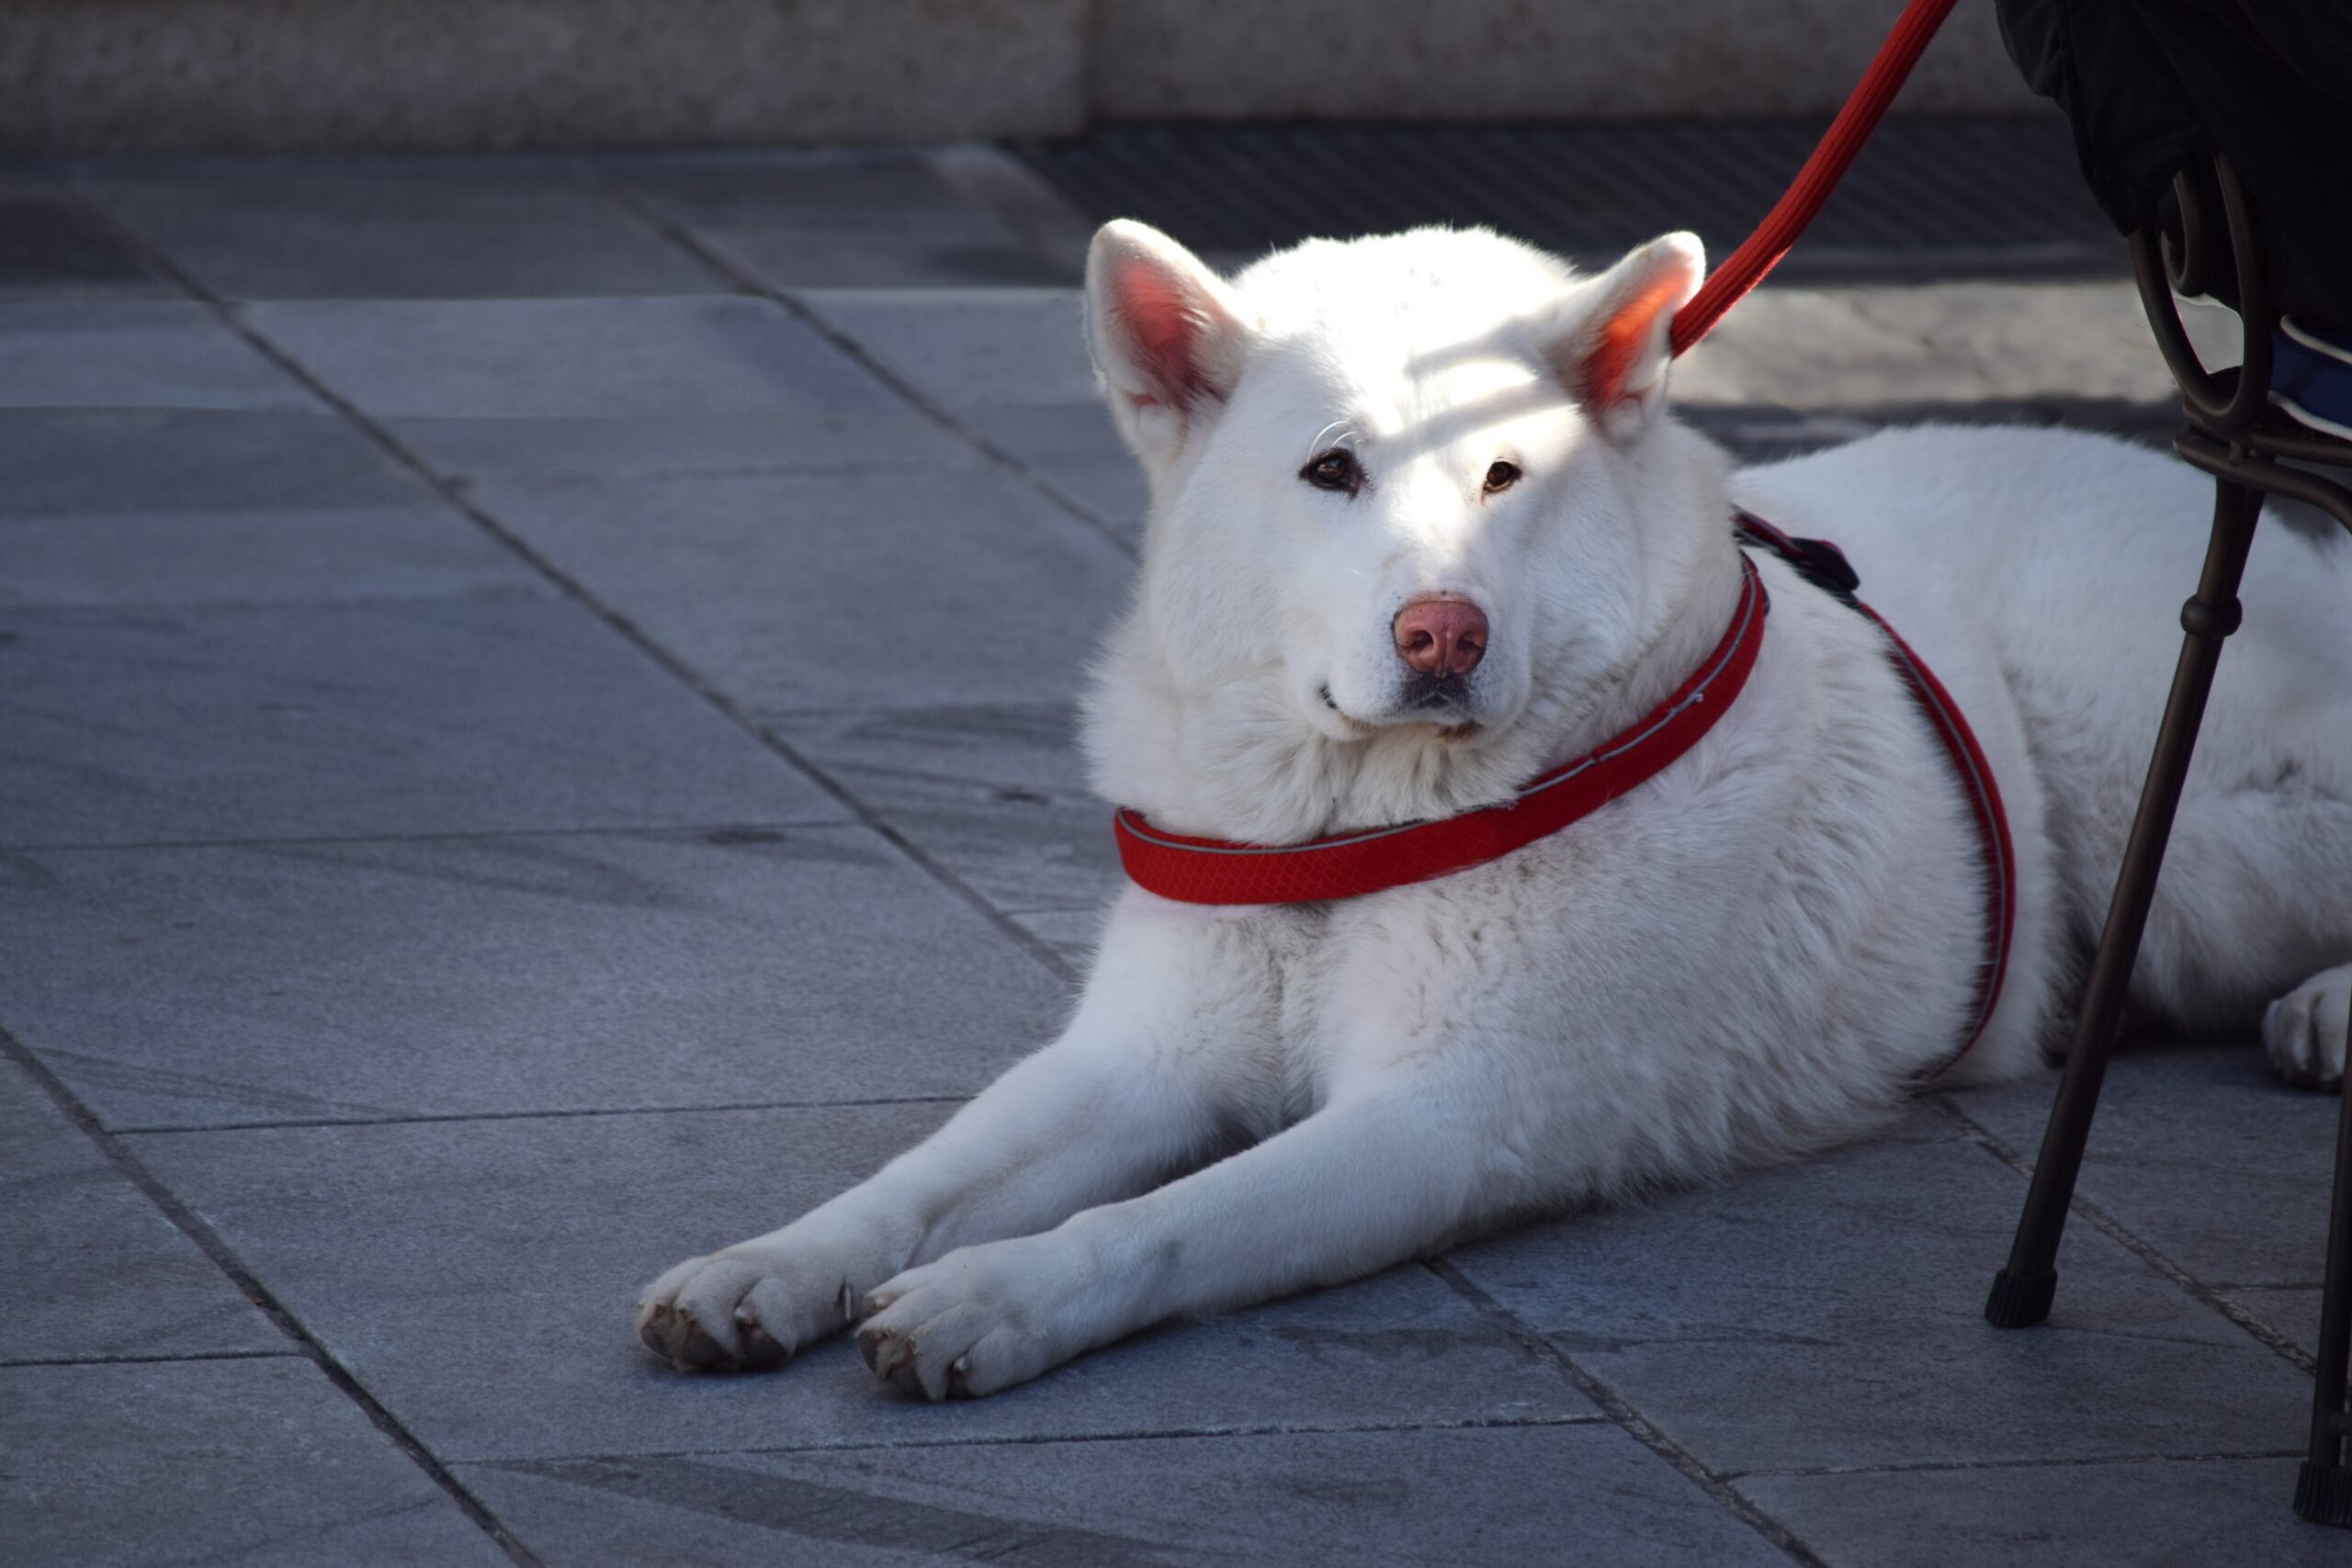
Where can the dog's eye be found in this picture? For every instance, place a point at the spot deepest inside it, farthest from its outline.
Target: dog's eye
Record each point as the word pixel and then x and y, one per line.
pixel 1501 475
pixel 1335 469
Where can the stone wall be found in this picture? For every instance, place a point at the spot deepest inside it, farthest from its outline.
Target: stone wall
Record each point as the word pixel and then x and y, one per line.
pixel 1524 59
pixel 470 74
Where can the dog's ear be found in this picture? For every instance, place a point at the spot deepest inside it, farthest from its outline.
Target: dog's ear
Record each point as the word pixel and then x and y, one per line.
pixel 1609 344
pixel 1167 334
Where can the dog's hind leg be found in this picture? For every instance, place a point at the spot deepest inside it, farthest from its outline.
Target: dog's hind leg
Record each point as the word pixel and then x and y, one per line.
pixel 1392 1168
pixel 2303 1033
pixel 2255 894
pixel 2255 903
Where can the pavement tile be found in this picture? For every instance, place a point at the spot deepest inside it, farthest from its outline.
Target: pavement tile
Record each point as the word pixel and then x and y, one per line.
pixel 965 250
pixel 997 795
pixel 484 386
pixel 489 714
pixel 1011 366
pixel 861 219
pixel 134 353
pixel 2200 1152
pixel 156 506
pixel 470 977
pixel 973 348
pixel 1960 343
pixel 257 1462
pixel 490 1305
pixel 1828 1314
pixel 1055 436
pixel 95 1271
pixel 394 228
pixel 1586 1493
pixel 211 558
pixel 912 588
pixel 2166 1514
pixel 56 245
pixel 878 186
pixel 74 462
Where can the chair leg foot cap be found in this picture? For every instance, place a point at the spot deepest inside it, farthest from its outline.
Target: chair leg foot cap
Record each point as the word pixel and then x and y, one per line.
pixel 2323 1493
pixel 2020 1301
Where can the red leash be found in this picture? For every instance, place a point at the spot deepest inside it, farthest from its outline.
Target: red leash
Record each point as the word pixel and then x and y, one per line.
pixel 1729 283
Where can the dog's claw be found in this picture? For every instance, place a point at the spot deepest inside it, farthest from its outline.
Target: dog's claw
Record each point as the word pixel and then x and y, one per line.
pixel 759 1347
pixel 892 1358
pixel 654 1332
pixel 701 1351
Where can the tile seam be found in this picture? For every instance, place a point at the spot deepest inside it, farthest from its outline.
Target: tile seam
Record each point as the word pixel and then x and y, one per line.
pixel 1042 1439
pixel 307 1347
pixel 1621 1414
pixel 2064 1462
pixel 163 1359
pixel 2108 1225
pixel 93 609
pixel 683 236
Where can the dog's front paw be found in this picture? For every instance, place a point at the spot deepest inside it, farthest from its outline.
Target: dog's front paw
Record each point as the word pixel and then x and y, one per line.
pixel 2304 1031
pixel 978 1320
pixel 749 1307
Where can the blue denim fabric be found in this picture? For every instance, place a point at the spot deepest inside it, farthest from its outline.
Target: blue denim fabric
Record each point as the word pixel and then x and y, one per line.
pixel 2310 376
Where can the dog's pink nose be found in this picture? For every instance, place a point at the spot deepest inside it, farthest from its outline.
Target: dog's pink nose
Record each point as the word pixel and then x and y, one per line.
pixel 1441 635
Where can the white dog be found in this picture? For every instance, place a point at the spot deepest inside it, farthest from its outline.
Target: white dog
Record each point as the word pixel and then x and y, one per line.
pixel 1358 451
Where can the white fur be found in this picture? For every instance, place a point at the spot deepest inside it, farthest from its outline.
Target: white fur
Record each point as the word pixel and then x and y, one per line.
pixel 1750 955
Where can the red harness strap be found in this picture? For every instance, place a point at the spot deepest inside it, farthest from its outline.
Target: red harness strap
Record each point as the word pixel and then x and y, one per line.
pixel 1348 865
pixel 1824 564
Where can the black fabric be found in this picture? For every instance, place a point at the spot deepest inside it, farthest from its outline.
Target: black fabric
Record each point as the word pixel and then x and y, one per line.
pixel 2149 84
pixel 1818 561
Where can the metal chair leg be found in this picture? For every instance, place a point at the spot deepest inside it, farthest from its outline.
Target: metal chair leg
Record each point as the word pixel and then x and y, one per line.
pixel 2323 1486
pixel 2023 1291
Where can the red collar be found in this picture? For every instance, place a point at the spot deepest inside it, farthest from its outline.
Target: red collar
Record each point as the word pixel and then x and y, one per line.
pixel 1345 865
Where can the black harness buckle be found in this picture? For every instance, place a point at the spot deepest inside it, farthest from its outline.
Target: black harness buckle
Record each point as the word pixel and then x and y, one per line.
pixel 1818 561
pixel 1824 566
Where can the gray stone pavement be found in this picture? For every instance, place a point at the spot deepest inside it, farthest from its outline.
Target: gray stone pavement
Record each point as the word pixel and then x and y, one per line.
pixel 535 706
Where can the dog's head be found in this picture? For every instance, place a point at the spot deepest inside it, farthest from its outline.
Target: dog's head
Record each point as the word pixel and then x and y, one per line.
pixel 1399 494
